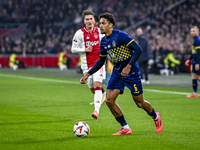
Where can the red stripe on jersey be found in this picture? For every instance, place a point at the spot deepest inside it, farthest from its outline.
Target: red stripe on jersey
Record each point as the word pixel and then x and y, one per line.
pixel 92 38
pixel 97 88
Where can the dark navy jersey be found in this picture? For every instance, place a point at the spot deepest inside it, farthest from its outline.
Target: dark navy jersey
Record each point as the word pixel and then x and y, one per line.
pixel 195 48
pixel 117 46
pixel 195 54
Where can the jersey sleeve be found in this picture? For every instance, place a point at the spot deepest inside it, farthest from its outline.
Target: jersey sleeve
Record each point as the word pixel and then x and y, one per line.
pixel 78 45
pixel 125 38
pixel 132 45
pixel 197 49
pixel 103 52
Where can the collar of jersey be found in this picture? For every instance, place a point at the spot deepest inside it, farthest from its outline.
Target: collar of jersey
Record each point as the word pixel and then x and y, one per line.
pixel 90 31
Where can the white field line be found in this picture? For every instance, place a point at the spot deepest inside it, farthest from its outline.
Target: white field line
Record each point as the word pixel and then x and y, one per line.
pixel 72 82
pixel 168 92
pixel 38 79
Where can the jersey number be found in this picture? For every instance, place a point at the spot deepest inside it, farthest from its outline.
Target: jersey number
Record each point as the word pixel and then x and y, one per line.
pixel 135 87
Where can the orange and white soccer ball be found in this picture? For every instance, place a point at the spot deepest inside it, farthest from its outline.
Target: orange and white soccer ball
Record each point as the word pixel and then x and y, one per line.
pixel 81 129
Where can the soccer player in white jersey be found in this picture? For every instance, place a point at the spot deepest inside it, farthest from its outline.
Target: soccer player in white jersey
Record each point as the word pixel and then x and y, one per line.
pixel 86 42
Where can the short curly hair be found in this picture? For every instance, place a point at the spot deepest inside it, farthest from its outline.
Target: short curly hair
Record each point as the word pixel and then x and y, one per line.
pixel 109 17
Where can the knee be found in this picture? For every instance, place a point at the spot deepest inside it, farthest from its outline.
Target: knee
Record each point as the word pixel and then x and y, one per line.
pixel 97 84
pixel 139 104
pixel 109 102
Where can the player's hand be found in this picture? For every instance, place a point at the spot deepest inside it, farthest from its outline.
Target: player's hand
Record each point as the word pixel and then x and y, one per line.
pixel 83 80
pixel 187 62
pixel 126 70
pixel 88 49
pixel 197 67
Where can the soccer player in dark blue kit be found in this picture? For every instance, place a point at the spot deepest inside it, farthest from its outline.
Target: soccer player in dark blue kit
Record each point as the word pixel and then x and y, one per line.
pixel 195 57
pixel 124 52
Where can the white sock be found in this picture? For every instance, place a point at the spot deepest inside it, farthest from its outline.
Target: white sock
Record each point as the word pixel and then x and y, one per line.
pixel 97 100
pixel 126 127
pixel 155 119
pixel 195 93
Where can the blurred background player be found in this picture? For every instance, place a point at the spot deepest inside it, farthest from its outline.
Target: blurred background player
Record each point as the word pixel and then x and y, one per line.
pixel 62 60
pixel 96 23
pixel 15 62
pixel 78 69
pixel 86 41
pixel 170 61
pixel 195 72
pixel 146 58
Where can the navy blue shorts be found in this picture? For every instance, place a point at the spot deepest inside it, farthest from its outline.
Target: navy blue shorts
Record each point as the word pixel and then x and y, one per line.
pixel 193 69
pixel 132 82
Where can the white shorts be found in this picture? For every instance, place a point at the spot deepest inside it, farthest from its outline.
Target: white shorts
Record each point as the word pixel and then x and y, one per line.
pixel 98 76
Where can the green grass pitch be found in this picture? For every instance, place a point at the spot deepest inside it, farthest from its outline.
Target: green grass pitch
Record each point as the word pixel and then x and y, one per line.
pixel 38 112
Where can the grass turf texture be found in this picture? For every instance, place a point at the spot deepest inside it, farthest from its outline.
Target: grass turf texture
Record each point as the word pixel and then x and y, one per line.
pixel 38 114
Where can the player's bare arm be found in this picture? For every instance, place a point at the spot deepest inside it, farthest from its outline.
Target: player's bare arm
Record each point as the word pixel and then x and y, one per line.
pixel 187 62
pixel 83 80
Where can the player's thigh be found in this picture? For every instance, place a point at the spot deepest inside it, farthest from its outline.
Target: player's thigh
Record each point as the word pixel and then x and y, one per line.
pixel 112 94
pixel 99 76
pixel 194 73
pixel 138 98
pixel 95 80
pixel 90 82
pixel 194 76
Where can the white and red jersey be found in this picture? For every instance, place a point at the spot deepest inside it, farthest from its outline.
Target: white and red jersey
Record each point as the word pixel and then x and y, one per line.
pixel 81 40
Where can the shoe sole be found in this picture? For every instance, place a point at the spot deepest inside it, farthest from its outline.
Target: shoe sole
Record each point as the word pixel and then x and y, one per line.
pixel 123 134
pixel 94 116
pixel 191 97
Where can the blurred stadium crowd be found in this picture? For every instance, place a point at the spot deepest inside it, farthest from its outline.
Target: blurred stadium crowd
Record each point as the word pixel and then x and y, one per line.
pixel 51 24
